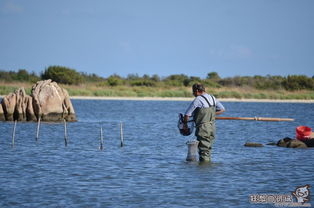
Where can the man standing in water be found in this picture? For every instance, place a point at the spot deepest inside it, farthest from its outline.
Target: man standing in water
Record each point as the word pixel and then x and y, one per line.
pixel 204 109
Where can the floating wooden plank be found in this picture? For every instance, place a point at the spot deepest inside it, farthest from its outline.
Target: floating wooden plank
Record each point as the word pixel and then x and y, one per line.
pixel 254 118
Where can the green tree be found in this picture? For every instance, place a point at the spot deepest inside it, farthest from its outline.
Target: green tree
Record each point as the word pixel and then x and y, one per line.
pixel 92 77
pixel 5 76
pixel 155 78
pixel 176 80
pixel 298 82
pixel 114 80
pixel 62 75
pixel 213 76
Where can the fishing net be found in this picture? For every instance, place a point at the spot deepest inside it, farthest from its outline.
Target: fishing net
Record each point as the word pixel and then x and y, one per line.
pixel 185 131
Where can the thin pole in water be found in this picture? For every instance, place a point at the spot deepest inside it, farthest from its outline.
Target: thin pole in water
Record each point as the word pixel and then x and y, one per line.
pixel 101 147
pixel 254 118
pixel 65 133
pixel 13 134
pixel 37 132
pixel 121 134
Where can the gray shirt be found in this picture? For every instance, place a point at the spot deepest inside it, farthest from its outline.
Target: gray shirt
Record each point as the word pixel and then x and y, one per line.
pixel 200 102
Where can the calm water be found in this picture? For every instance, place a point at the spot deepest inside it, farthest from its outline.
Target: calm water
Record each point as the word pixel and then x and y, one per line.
pixel 150 170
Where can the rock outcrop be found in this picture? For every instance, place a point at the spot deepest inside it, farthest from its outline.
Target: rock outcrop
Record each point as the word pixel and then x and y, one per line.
pixel 51 102
pixel 2 118
pixel 291 143
pixel 295 143
pixel 253 144
pixel 48 101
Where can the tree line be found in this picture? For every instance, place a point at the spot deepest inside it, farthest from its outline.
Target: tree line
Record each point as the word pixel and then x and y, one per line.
pixel 70 76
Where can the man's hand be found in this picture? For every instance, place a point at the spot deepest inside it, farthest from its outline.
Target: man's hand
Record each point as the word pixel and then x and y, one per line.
pixel 185 119
pixel 219 112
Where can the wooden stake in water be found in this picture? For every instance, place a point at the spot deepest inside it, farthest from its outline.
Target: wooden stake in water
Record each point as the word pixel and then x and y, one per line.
pixel 101 147
pixel 13 134
pixel 37 132
pixel 65 133
pixel 121 134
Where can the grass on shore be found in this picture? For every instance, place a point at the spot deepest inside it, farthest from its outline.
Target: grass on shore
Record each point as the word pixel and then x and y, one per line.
pixel 171 92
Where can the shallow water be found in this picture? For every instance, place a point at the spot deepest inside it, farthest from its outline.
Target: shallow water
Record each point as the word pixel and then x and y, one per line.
pixel 150 170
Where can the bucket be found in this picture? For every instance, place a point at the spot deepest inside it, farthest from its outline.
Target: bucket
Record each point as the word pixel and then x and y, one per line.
pixel 192 150
pixel 303 132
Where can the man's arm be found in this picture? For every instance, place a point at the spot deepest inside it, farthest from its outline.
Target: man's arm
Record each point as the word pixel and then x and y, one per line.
pixel 219 108
pixel 185 123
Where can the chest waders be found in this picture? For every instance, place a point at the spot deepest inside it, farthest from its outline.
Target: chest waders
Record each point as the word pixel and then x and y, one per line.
pixel 205 130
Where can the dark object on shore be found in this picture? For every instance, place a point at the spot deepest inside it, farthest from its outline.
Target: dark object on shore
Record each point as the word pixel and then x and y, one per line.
pixel 291 143
pixel 253 144
pixel 47 101
pixel 309 142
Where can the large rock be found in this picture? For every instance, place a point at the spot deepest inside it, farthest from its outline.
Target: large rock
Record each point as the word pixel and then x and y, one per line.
pixel 253 144
pixel 51 102
pixel 2 118
pixel 8 104
pixel 291 143
pixel 23 106
pixel 48 101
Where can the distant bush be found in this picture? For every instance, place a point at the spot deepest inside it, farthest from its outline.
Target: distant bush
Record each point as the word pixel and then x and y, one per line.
pixel 62 75
pixel 268 82
pixel 135 82
pixel 298 82
pixel 177 80
pixel 92 77
pixel 22 76
pixel 146 80
pixel 114 80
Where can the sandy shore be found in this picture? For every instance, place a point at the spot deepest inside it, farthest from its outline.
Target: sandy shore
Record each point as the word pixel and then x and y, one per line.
pixel 188 99
pixel 184 99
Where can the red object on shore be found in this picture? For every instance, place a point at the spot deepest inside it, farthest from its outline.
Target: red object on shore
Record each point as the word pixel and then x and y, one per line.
pixel 303 132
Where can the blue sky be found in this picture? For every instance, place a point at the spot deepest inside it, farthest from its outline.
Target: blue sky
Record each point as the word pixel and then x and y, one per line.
pixel 164 37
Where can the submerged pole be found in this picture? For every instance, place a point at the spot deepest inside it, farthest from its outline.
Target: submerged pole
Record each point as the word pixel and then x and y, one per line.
pixel 13 133
pixel 101 147
pixel 121 135
pixel 65 133
pixel 37 132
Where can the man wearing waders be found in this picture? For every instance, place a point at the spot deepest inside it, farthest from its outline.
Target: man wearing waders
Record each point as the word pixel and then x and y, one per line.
pixel 204 109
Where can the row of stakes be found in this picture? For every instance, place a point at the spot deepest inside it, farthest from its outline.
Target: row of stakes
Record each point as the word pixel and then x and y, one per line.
pixel 101 146
pixel 192 145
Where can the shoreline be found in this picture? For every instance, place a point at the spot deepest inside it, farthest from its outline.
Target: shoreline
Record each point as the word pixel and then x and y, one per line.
pixel 187 99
